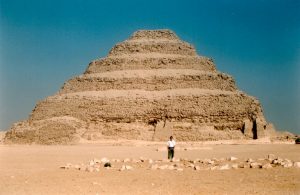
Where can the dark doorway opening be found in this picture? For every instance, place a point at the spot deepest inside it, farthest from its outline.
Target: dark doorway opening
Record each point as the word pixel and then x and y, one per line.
pixel 254 129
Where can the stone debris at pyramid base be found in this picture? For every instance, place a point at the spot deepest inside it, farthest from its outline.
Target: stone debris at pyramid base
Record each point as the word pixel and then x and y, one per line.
pixel 217 164
pixel 149 87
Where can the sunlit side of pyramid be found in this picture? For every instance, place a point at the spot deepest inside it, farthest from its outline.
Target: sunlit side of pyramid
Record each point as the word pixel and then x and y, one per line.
pixel 149 87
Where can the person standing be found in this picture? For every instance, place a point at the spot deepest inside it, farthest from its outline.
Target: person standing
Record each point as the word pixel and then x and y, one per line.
pixel 171 147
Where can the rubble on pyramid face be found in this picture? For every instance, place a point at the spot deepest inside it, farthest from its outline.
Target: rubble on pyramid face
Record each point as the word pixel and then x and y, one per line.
pixel 148 87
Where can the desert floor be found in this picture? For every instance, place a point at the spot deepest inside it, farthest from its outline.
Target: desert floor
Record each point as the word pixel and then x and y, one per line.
pixel 36 170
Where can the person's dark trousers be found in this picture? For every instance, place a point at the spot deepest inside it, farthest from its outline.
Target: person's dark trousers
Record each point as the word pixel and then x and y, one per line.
pixel 170 153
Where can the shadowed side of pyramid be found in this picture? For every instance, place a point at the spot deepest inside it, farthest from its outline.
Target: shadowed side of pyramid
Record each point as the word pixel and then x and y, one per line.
pixel 149 87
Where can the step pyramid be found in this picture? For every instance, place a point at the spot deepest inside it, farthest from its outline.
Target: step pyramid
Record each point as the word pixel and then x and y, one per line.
pixel 149 87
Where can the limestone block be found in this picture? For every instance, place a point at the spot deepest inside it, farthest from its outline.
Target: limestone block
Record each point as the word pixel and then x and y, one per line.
pixel 255 165
pixel 235 166
pixel 232 158
pixel 197 168
pixel 297 164
pixel 224 167
pixel 267 166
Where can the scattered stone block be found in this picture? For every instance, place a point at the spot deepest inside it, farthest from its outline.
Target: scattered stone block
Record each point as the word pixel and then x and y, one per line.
pixel 163 167
pixel 235 166
pixel 92 163
pixel 104 160
pixel 123 168
pixel 150 161
pixel 277 161
pixel 208 161
pixel 213 168
pixel 249 160
pixel 107 164
pixel 191 165
pixel 196 161
pixel 197 168
pixel 297 164
pixel 224 167
pixel 179 169
pixel 267 166
pixel 232 158
pixel 286 163
pixel 126 167
pixel 255 165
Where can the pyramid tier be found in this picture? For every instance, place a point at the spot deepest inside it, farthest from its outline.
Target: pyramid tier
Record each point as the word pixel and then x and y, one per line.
pixel 213 107
pixel 164 34
pixel 150 80
pixel 149 46
pixel 151 61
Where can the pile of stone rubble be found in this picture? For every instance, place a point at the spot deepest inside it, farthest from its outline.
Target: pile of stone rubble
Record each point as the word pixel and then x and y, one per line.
pixel 271 161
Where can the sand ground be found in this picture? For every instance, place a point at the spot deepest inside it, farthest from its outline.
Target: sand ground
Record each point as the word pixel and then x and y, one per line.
pixel 36 170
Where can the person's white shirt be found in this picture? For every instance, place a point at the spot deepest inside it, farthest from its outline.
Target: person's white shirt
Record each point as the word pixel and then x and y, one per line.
pixel 171 144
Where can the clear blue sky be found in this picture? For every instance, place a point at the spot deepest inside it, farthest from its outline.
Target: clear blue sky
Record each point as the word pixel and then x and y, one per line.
pixel 43 43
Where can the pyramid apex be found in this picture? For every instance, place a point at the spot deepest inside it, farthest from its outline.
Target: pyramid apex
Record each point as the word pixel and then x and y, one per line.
pixel 154 34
